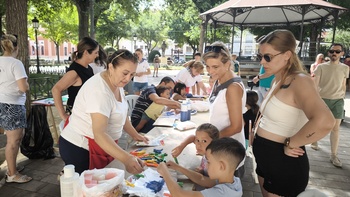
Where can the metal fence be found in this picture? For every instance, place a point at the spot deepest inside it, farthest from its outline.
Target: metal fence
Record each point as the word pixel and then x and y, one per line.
pixel 40 88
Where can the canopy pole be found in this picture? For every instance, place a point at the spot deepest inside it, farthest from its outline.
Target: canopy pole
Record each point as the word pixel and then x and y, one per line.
pixel 335 15
pixel 233 28
pixel 214 31
pixel 301 31
pixel 319 37
pixel 240 44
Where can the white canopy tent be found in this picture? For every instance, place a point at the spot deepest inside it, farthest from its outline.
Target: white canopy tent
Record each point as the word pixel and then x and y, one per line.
pixel 248 13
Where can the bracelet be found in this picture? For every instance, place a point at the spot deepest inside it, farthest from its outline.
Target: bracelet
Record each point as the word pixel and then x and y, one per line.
pixel 287 143
pixel 258 76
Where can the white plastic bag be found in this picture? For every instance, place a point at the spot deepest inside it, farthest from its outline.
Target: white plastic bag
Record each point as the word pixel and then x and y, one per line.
pixel 200 106
pixel 105 187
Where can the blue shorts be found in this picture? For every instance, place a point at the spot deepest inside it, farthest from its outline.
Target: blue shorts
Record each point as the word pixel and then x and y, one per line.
pixel 138 87
pixel 12 116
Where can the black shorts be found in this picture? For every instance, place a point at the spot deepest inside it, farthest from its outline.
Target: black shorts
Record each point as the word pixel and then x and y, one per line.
pixel 283 175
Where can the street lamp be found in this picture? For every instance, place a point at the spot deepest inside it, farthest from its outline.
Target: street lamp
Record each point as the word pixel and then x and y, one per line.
pixel 35 22
pixel 135 38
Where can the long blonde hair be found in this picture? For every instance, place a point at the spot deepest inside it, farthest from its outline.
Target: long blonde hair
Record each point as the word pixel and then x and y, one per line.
pixel 283 40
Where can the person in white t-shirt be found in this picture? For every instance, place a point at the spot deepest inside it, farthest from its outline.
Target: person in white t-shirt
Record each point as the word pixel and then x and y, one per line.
pixel 13 87
pixel 143 69
pixel 191 74
pixel 98 118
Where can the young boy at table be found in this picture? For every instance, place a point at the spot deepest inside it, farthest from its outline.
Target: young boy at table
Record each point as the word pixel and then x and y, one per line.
pixel 154 110
pixel 223 157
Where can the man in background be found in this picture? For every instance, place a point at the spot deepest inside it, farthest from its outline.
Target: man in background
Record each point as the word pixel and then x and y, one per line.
pixel 330 79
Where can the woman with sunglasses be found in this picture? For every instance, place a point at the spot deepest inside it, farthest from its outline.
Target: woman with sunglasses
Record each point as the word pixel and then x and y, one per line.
pixel 228 96
pixel 98 118
pixel 293 115
pixel 191 74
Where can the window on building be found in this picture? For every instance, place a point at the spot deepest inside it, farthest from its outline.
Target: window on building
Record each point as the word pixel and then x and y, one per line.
pixel 42 50
pixel 65 51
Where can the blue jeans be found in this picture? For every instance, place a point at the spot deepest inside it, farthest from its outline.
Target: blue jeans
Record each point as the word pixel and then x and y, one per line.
pixel 138 87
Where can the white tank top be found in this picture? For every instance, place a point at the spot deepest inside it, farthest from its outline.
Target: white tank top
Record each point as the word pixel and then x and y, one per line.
pixel 219 115
pixel 279 118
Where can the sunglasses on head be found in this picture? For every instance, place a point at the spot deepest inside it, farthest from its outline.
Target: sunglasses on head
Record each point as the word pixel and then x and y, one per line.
pixel 216 49
pixel 268 58
pixel 336 51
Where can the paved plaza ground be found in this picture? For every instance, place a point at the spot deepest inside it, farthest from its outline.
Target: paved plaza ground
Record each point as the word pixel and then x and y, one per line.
pixel 334 182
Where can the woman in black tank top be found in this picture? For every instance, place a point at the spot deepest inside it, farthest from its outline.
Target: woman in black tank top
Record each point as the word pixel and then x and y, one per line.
pixel 77 74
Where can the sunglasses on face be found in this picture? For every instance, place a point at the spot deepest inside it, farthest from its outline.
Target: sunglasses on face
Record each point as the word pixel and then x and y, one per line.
pixel 268 58
pixel 216 49
pixel 336 51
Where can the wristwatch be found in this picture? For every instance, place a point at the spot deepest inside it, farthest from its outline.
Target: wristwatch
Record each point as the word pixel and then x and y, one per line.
pixel 258 76
pixel 287 142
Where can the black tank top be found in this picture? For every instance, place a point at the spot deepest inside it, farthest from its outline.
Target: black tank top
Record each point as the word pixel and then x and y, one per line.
pixel 84 74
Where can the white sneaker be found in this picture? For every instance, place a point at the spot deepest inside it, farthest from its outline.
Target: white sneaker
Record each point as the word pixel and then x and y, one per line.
pixel 335 161
pixel 315 146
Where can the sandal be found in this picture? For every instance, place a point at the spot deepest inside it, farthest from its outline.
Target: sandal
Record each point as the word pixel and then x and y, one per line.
pixel 18 178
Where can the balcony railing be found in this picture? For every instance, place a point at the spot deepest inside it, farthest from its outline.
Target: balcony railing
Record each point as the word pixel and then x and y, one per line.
pixel 40 88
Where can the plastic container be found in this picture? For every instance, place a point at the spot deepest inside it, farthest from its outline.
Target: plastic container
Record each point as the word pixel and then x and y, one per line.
pixel 69 182
pixel 188 101
pixel 183 112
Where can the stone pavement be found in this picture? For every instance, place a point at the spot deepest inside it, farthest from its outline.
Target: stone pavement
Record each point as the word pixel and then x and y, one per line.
pixel 334 182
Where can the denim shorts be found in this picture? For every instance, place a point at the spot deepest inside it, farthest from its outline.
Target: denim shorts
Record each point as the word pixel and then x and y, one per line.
pixel 138 87
pixel 12 116
pixel 336 106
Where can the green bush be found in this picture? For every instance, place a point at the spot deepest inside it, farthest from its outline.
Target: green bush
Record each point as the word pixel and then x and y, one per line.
pixel 110 50
pixel 152 54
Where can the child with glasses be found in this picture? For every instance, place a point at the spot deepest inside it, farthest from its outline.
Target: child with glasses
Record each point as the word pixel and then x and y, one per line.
pixel 293 115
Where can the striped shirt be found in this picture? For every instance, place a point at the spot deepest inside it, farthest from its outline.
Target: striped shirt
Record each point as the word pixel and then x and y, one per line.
pixel 142 103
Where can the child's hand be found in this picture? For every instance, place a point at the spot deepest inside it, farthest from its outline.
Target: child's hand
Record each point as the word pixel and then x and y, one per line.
pixel 162 168
pixel 172 165
pixel 177 151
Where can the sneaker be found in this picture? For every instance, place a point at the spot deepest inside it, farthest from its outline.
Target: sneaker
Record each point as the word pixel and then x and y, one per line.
pixel 315 146
pixel 335 161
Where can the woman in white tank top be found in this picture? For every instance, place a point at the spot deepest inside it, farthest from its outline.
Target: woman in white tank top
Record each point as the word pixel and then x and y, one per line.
pixel 293 115
pixel 228 96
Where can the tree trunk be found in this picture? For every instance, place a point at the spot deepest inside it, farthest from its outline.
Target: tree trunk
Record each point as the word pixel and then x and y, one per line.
pixel 202 37
pixel 16 23
pixel 83 12
pixel 58 52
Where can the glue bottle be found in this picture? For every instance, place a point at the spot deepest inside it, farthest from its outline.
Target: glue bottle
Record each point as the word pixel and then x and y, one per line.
pixel 188 101
pixel 69 181
pixel 183 112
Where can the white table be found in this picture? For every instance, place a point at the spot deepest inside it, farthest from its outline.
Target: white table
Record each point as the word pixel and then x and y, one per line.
pixel 187 158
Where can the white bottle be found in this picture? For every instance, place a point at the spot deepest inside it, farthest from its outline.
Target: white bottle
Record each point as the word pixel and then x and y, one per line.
pixel 69 182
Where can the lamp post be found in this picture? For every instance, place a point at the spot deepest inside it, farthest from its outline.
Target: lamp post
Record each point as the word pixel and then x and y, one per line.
pixel 35 22
pixel 135 38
